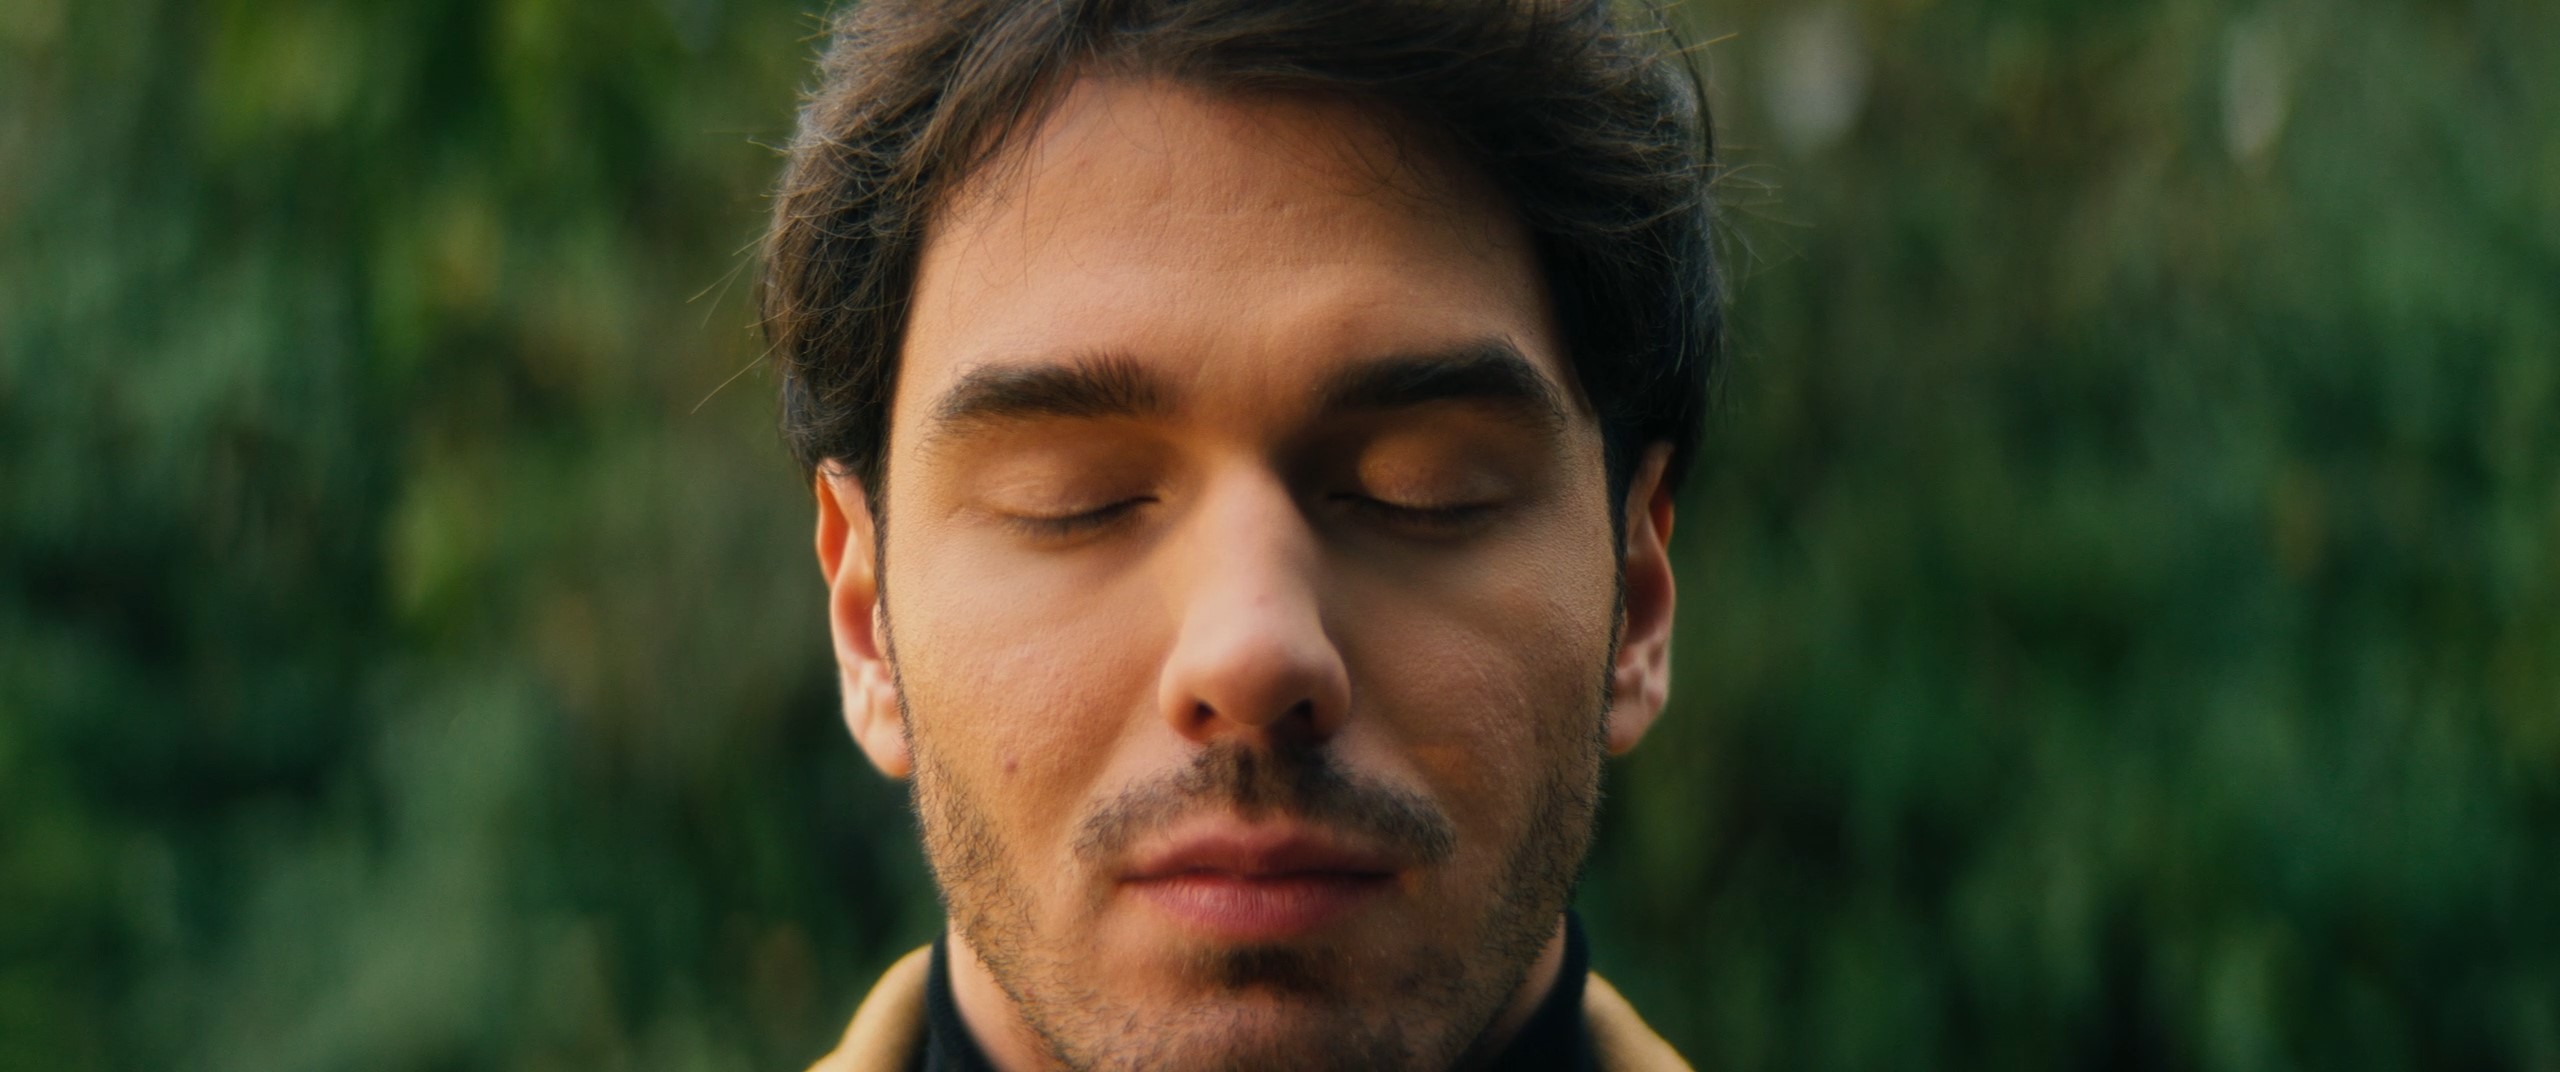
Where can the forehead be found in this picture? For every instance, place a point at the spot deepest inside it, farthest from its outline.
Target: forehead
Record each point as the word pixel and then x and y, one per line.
pixel 1238 246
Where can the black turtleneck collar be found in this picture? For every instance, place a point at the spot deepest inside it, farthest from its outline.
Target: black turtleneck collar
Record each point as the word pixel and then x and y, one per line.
pixel 1554 1038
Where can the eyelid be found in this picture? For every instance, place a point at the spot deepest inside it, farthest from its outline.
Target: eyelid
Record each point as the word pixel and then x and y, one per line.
pixel 1449 519
pixel 1083 522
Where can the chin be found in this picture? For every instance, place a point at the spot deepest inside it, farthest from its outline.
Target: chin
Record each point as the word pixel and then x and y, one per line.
pixel 1259 1028
pixel 1282 973
pixel 1293 1005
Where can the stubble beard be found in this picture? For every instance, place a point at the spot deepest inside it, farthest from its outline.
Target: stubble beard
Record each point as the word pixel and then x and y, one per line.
pixel 1285 1007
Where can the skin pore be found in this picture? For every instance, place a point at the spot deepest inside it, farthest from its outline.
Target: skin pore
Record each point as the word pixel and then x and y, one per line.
pixel 1248 613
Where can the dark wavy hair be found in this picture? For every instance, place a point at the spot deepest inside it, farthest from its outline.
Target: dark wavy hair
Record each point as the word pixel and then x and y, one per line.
pixel 1589 118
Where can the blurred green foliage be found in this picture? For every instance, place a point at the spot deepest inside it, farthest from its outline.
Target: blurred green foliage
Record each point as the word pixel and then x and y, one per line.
pixel 2121 603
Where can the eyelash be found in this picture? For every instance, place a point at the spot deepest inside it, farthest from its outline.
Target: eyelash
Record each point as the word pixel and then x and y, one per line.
pixel 1070 525
pixel 1431 520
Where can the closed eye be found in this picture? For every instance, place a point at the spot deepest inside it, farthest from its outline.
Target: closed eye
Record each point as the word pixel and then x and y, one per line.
pixel 1065 526
pixel 1437 521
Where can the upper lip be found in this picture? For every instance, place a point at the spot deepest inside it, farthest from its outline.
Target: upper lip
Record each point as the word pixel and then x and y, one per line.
pixel 1267 850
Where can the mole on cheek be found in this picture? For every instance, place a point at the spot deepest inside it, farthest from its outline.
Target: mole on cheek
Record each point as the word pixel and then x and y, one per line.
pixel 1009 763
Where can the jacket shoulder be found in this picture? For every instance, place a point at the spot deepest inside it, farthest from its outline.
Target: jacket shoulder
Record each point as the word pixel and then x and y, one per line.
pixel 888 1025
pixel 1621 1039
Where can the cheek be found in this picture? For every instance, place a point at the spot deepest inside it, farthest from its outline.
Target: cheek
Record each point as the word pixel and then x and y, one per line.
pixel 1491 685
pixel 1020 695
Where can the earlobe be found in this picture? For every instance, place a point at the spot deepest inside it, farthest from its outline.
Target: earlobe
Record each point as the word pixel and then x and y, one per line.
pixel 859 625
pixel 1641 677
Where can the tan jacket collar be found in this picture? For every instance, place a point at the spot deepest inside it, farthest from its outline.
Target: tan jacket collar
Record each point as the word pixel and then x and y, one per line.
pixel 890 1024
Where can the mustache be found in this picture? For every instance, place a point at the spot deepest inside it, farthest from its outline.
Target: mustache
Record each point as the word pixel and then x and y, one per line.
pixel 1297 780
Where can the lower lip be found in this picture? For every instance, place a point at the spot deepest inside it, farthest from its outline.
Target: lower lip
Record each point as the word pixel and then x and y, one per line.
pixel 1251 908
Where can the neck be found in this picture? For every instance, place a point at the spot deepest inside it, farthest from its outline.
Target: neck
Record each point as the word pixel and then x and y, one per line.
pixel 1010 1044
pixel 1525 999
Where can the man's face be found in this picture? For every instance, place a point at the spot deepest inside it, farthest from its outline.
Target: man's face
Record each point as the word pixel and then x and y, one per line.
pixel 1248 590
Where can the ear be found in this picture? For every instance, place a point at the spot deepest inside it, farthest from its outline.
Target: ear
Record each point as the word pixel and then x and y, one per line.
pixel 1641 678
pixel 846 558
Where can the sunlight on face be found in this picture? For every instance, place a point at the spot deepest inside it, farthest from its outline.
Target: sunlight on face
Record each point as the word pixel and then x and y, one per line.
pixel 1249 569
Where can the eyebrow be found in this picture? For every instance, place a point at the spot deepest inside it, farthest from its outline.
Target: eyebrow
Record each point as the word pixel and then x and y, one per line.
pixel 1486 371
pixel 1106 386
pixel 1091 388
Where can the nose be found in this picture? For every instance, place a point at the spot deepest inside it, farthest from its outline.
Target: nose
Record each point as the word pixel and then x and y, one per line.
pixel 1252 658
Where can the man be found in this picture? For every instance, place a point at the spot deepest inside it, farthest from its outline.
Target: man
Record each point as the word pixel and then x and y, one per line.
pixel 1244 434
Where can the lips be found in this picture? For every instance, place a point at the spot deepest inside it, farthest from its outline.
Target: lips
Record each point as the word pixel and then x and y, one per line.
pixel 1259 883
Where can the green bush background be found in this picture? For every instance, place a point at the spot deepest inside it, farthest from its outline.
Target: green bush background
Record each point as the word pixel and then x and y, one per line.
pixel 2120 617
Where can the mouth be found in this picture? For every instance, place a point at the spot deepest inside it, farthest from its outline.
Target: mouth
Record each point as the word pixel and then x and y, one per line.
pixel 1259 883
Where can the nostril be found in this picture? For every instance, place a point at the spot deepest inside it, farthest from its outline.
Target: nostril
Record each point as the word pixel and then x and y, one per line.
pixel 1304 722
